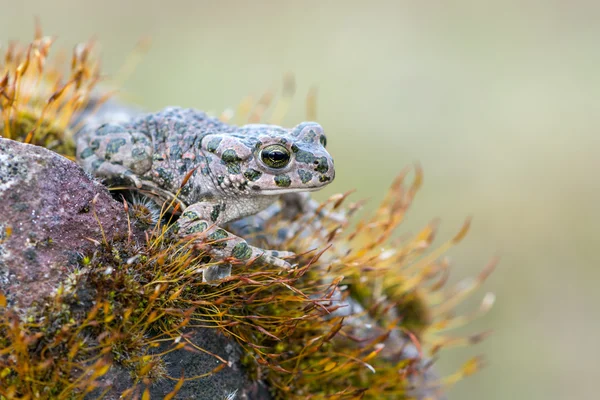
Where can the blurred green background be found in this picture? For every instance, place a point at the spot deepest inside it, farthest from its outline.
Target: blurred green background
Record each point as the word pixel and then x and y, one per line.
pixel 498 100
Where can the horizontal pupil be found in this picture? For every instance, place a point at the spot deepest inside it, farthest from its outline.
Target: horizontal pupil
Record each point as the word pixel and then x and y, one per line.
pixel 277 155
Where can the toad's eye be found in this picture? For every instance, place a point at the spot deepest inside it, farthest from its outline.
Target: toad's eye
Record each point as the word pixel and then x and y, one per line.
pixel 275 156
pixel 323 140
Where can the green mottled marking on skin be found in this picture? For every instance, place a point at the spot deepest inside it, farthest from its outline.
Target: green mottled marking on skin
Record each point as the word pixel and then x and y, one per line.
pixel 96 164
pixel 309 137
pixel 165 174
pixel 230 156
pixel 218 235
pixel 252 174
pixel 232 161
pixel 139 154
pixel 187 189
pixel 283 141
pixel 283 180
pixel 158 157
pixel 175 152
pixel 324 178
pixel 322 167
pixel 191 215
pixel 204 170
pixel 107 129
pixel 304 156
pixel 213 144
pixel 180 128
pixel 234 168
pixel 140 139
pixel 214 214
pixel 95 144
pixel 196 228
pixel 220 179
pixel 241 251
pixel 114 145
pixel 88 152
pixel 323 140
pixel 304 175
pixel 295 148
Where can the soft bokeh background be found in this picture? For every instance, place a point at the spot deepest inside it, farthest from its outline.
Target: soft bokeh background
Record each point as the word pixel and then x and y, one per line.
pixel 498 100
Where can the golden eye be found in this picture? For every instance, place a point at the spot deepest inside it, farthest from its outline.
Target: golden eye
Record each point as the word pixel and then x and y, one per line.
pixel 275 156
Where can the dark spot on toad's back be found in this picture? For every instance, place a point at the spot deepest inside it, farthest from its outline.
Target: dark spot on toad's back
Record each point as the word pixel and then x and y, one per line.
pixel 107 129
pixel 95 144
pixel 180 128
pixel 139 154
pixel 114 145
pixel 96 164
pixel 141 139
pixel 175 152
pixel 88 152
pixel 324 178
pixel 282 180
pixel 164 174
pixel 213 144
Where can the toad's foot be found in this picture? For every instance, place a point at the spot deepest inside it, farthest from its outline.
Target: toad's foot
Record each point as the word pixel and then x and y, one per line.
pixel 223 245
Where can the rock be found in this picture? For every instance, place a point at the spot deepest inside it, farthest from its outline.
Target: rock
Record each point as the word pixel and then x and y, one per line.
pixel 230 381
pixel 46 220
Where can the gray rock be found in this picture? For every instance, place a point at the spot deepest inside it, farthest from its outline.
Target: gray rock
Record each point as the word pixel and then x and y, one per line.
pixel 228 384
pixel 46 220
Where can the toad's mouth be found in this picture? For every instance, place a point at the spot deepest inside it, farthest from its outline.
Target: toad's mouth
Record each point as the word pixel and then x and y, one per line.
pixel 278 191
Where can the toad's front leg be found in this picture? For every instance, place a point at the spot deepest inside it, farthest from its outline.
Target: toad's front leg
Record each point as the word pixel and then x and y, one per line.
pixel 204 217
